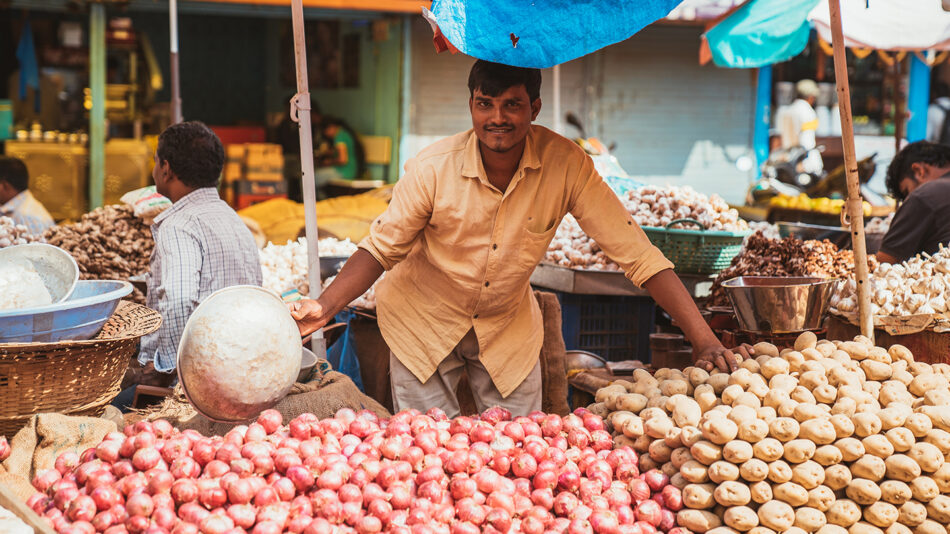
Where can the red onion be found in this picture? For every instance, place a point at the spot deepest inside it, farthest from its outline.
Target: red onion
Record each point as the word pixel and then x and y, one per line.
pixel 649 511
pixel 656 479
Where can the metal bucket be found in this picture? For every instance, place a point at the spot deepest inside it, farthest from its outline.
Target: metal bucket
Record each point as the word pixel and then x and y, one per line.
pixel 770 304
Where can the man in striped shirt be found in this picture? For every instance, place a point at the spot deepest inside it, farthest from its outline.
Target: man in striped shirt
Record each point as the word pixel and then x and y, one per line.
pixel 17 202
pixel 201 245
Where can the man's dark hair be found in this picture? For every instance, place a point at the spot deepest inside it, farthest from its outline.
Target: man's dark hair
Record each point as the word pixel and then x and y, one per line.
pixel 13 171
pixel 919 152
pixel 193 152
pixel 494 79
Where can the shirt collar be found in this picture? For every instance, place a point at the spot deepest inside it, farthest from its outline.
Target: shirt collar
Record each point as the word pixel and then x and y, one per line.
pixel 16 202
pixel 197 196
pixel 472 166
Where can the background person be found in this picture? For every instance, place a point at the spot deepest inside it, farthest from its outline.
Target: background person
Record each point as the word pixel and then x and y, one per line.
pixel 345 159
pixel 16 200
pixel 798 124
pixel 919 177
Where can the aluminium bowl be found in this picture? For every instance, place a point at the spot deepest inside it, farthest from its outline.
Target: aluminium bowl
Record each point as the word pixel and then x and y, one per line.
pixel 777 304
pixel 239 354
pixel 56 267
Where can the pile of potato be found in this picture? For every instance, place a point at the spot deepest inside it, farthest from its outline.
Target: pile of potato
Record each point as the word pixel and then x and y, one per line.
pixel 827 437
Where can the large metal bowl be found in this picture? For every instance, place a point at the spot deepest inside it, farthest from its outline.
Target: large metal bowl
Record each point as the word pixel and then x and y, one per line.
pixel 55 266
pixel 239 354
pixel 770 304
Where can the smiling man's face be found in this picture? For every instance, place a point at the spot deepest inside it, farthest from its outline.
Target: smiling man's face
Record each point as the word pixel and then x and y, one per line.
pixel 501 122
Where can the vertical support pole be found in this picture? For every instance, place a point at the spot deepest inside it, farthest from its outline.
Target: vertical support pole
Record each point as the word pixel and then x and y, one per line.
pixel 855 206
pixel 558 120
pixel 97 113
pixel 173 46
pixel 763 117
pixel 300 109
pixel 918 98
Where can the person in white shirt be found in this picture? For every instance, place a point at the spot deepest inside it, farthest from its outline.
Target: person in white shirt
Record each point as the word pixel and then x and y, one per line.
pixel 17 202
pixel 937 131
pixel 798 124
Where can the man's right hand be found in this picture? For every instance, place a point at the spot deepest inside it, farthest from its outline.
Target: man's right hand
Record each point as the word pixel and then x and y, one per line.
pixel 309 314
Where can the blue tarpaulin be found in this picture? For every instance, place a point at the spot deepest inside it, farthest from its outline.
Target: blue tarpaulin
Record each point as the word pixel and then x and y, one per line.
pixel 342 355
pixel 761 32
pixel 29 67
pixel 542 33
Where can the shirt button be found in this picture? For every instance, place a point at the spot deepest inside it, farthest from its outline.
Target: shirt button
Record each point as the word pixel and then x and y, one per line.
pixel 486 284
pixel 494 246
pixel 475 316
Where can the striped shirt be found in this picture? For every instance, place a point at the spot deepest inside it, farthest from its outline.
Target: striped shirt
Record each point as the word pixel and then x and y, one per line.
pixel 201 245
pixel 26 210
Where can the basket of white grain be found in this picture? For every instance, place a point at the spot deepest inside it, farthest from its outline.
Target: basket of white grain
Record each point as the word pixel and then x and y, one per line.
pixel 826 436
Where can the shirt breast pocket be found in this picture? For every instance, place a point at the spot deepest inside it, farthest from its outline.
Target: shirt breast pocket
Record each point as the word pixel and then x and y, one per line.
pixel 533 246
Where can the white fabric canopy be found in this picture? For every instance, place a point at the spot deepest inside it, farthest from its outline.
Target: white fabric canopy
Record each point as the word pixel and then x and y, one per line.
pixel 888 24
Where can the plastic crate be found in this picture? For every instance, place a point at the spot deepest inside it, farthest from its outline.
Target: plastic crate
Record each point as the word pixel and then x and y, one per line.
pixel 616 328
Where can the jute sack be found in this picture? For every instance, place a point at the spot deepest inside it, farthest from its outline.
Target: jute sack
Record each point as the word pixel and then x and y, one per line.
pixel 37 445
pixel 323 396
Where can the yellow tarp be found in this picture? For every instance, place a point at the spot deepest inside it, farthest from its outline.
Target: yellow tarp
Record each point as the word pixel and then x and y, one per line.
pixel 342 217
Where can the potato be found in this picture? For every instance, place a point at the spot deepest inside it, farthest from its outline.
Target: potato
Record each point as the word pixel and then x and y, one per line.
pixel 632 427
pixel 779 472
pixel 706 452
pixel 678 481
pixel 938 509
pixel 930 527
pixel 631 402
pixel 843 513
pixel 844 405
pixel 765 349
pixel 741 518
pixel 694 472
pixel 895 492
pixel 718 381
pixel 821 498
pixel 795 360
pixel 825 394
pixel 832 529
pixel 680 456
pixel 767 414
pixel 697 520
pixel 863 527
pixel 669 469
pixel 856 350
pixel 879 354
pixel 851 449
pixel 768 449
pixel 927 382
pixel 912 513
pixel 806 412
pixel 892 418
pixel 784 383
pixel 754 470
pixel 609 392
pixel 784 429
pixel 803 395
pixel 668 388
pixel 827 455
pixel 837 477
pixel 940 439
pixel 660 452
pixel 878 445
pixel 690 435
pixel 673 438
pixel 927 456
pixel 942 477
pixel 696 376
pixel 797 451
pixel 919 424
pixel 699 496
pixel 869 467
pixel 732 493
pixel 791 493
pixel 808 474
pixel 761 492
pixel 844 427
pixel 719 431
pixel 900 352
pixel 657 426
pixel 775 397
pixel 877 371
pixel 901 467
pixel 898 528
pixel 937 397
pixel 924 488
pixel 866 424
pixel 647 463
pixel 806 340
pixel 723 471
pixel 642 443
pixel 737 451
pixel 809 519
pixel 741 414
pixel 863 491
pixel 776 515
pixel 881 514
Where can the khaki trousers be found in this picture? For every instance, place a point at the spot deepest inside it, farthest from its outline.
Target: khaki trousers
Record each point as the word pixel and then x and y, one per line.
pixel 439 390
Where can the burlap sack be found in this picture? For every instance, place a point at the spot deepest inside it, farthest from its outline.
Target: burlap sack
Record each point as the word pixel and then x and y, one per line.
pixel 37 445
pixel 323 396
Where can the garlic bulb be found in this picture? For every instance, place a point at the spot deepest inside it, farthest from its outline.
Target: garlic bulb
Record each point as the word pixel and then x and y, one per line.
pixel 284 267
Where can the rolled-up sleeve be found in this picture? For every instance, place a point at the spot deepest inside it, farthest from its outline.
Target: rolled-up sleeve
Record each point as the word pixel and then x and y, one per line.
pixel 393 234
pixel 603 217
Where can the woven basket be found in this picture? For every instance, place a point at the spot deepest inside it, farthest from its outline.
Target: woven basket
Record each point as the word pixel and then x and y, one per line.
pixel 71 377
pixel 696 251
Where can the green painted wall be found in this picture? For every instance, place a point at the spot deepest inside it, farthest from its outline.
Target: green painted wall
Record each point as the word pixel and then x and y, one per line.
pixel 372 108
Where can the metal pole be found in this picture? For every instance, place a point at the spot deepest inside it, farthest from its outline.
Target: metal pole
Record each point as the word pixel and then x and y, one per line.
pixel 300 111
pixel 855 207
pixel 97 113
pixel 173 42
pixel 558 120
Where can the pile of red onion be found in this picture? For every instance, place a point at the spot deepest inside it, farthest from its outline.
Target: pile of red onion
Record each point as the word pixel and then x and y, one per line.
pixel 414 473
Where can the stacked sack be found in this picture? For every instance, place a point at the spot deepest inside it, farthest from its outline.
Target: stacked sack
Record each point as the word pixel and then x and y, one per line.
pixel 827 437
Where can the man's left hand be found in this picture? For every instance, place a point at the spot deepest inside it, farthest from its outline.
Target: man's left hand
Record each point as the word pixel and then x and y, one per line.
pixel 717 356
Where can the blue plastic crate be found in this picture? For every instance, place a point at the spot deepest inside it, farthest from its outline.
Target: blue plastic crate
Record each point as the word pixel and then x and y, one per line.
pixel 616 328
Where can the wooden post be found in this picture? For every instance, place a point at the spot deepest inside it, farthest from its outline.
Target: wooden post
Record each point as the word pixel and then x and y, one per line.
pixel 854 204
pixel 300 111
pixel 97 113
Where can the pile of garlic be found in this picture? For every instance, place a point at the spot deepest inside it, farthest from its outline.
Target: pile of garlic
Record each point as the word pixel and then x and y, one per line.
pixel 366 301
pixel 12 233
pixel 919 286
pixel 284 267
pixel 659 206
pixel 879 225
pixel 573 249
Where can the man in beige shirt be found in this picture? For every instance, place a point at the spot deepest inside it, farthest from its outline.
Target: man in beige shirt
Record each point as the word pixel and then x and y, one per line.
pixel 468 222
